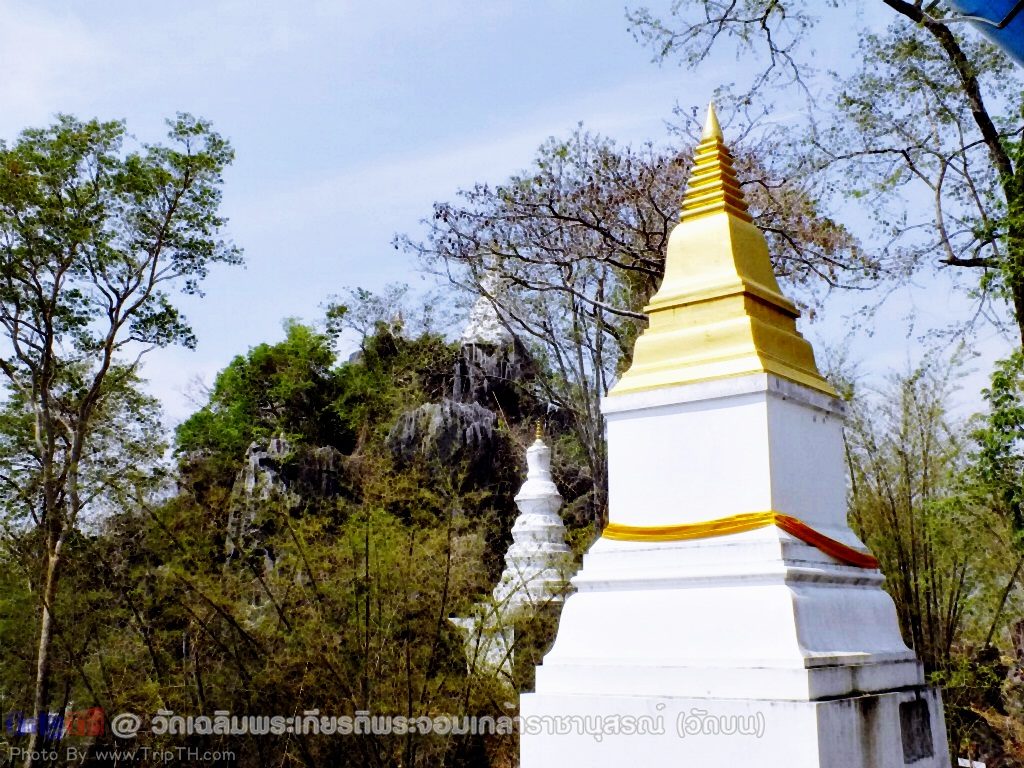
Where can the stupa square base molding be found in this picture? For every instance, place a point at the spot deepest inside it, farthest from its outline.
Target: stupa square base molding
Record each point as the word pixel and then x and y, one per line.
pixel 775 641
pixel 896 729
pixel 758 614
pixel 745 444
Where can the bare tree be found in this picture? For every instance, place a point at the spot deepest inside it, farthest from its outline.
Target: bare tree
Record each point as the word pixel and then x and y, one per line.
pixel 570 250
pixel 925 133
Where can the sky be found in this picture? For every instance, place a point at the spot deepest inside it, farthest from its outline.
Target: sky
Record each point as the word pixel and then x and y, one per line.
pixel 349 119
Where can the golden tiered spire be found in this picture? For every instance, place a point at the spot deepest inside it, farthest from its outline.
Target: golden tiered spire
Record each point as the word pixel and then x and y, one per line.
pixel 713 186
pixel 719 311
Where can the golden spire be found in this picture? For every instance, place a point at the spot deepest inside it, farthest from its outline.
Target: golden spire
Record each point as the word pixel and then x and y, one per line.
pixel 712 129
pixel 713 186
pixel 719 311
pixel 538 432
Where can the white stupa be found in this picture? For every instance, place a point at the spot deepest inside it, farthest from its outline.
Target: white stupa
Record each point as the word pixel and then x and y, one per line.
pixel 538 566
pixel 485 325
pixel 728 616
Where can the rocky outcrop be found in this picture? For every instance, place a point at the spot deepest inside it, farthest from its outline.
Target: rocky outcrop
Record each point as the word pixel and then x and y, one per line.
pixel 490 370
pixel 277 478
pixel 455 434
pixel 260 476
pixel 492 362
pixel 492 375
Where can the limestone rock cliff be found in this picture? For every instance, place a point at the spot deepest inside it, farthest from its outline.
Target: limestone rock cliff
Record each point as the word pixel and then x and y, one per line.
pixel 275 478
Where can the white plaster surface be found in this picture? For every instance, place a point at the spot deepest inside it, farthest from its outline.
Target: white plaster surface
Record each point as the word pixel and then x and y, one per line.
pixel 753 444
pixel 485 325
pixel 538 566
pixel 538 563
pixel 756 622
pixel 663 732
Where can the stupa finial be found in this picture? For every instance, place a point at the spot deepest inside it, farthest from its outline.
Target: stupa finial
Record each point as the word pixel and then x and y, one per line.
pixel 712 130
pixel 719 311
pixel 538 432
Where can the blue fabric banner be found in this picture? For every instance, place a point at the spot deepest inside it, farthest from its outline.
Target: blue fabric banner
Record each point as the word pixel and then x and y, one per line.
pixel 1002 21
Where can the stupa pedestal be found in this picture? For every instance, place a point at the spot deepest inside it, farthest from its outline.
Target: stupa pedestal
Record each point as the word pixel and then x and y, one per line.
pixel 728 616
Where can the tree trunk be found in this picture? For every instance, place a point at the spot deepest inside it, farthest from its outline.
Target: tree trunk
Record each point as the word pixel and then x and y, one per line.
pixel 41 699
pixel 1014 271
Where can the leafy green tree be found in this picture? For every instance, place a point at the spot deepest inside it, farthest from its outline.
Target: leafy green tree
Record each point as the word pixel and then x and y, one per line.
pixel 92 238
pixel 948 553
pixel 353 616
pixel 16 670
pixel 906 459
pixel 393 374
pixel 998 459
pixel 295 389
pixel 286 388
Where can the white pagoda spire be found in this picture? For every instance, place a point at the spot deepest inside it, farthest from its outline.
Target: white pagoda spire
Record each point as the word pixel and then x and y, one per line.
pixel 485 325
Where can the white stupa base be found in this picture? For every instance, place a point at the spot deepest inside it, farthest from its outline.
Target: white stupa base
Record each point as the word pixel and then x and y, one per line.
pixel 756 615
pixel 884 730
pixel 489 645
pixel 758 623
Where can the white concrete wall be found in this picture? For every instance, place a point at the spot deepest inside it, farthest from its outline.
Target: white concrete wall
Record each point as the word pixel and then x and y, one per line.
pixel 808 469
pixel 719 448
pixel 602 732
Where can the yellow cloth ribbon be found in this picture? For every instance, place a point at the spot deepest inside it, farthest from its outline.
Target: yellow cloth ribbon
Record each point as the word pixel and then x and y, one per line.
pixel 738 524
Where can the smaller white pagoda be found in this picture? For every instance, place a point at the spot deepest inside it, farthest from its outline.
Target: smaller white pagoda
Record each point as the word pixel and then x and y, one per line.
pixel 538 566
